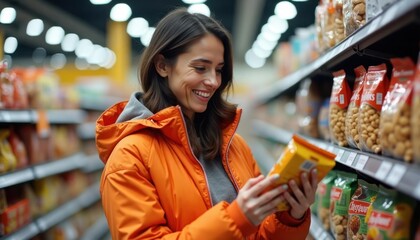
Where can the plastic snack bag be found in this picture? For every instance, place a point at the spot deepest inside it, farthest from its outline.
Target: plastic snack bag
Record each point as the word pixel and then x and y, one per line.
pixel 301 156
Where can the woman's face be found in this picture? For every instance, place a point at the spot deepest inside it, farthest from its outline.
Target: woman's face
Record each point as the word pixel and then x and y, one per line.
pixel 196 75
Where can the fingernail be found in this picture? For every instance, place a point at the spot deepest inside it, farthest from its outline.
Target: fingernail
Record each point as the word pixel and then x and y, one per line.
pixel 285 187
pixel 275 176
pixel 305 175
pixel 315 170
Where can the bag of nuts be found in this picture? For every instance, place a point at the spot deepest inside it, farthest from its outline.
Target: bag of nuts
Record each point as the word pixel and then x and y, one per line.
pixel 374 90
pixel 354 15
pixel 328 24
pixel 323 192
pixel 343 189
pixel 338 21
pixel 394 128
pixel 352 117
pixel 391 215
pixel 339 102
pixel 415 115
pixel 361 201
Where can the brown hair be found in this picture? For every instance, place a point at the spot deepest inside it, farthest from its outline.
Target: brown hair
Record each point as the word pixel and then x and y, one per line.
pixel 174 34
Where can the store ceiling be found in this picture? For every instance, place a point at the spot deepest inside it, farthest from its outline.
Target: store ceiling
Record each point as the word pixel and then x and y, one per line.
pixel 243 18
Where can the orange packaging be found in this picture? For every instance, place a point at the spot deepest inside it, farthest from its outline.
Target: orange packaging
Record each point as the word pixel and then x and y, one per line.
pixel 301 156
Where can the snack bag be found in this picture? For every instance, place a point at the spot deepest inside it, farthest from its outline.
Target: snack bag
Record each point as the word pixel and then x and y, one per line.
pixel 391 216
pixel 352 117
pixel 354 12
pixel 344 187
pixel 415 115
pixel 339 102
pixel 323 117
pixel 323 192
pixel 339 21
pixel 394 128
pixel 374 89
pixel 360 203
pixel 301 156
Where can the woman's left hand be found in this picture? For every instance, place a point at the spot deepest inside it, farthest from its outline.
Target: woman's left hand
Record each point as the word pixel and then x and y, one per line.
pixel 302 199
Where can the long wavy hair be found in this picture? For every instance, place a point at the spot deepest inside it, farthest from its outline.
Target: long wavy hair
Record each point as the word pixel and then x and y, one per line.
pixel 174 34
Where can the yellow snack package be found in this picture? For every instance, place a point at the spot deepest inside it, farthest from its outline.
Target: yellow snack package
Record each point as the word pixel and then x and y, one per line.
pixel 301 156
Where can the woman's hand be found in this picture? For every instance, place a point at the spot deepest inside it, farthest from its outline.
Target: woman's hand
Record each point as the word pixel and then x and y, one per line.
pixel 257 204
pixel 303 198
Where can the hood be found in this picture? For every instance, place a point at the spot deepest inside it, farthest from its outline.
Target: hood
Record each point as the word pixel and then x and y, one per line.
pixel 125 118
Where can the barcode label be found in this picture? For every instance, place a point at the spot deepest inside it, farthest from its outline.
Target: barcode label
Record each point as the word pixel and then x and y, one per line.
pixel 379 98
pixel 307 165
pixel 341 98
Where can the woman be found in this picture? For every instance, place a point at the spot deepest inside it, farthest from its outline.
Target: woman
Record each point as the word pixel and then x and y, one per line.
pixel 174 166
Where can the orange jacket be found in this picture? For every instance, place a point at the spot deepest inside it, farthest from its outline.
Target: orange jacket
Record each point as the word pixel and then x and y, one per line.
pixel 152 186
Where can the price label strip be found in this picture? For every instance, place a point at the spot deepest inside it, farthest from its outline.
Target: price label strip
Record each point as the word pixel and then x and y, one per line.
pixel 339 155
pixel 417 191
pixel 383 170
pixel 350 158
pixel 361 162
pixel 396 174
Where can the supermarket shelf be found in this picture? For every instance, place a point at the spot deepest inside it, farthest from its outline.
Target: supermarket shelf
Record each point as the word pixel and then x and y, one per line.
pixel 264 158
pixel 76 161
pixel 271 132
pixel 86 131
pixel 27 232
pixel 398 16
pixel 71 116
pixel 97 231
pixel 317 231
pixel 45 222
pixel 402 176
pixel 92 164
pixel 99 103
pixel 59 166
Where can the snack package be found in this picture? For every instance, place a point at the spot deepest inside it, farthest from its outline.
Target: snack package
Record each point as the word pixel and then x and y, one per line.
pixel 328 24
pixel 394 127
pixel 323 192
pixel 301 156
pixel 339 102
pixel 344 187
pixel 354 12
pixel 338 21
pixel 374 89
pixel 320 12
pixel 373 8
pixel 415 115
pixel 360 203
pixel 323 120
pixel 308 103
pixel 391 215
pixel 352 117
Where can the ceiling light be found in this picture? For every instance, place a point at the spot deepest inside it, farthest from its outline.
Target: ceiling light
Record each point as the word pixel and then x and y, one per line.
pixel 199 8
pixel 285 10
pixel 277 25
pixel 58 61
pixel 100 2
pixel 39 54
pixel 97 55
pixel 54 35
pixel 193 1
pixel 253 60
pixel 121 12
pixel 7 15
pixel 10 45
pixel 69 42
pixel 145 39
pixel 136 27
pixel 84 48
pixel 81 63
pixel 35 27
pixel 268 34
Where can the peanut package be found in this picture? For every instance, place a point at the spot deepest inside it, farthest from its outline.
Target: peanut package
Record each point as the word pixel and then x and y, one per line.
pixel 354 12
pixel 395 131
pixel 323 192
pixel 344 187
pixel 301 156
pixel 352 117
pixel 391 215
pixel 339 102
pixel 415 115
pixel 360 203
pixel 374 89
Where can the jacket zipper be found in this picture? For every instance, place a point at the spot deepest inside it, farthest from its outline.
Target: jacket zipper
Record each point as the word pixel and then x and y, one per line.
pixel 227 160
pixel 189 145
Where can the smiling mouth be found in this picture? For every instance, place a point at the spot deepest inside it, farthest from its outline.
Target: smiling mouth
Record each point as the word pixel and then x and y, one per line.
pixel 201 94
